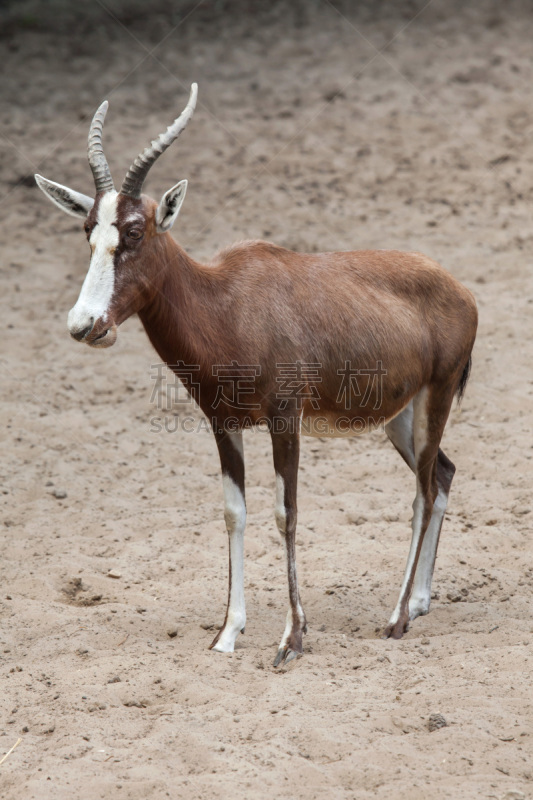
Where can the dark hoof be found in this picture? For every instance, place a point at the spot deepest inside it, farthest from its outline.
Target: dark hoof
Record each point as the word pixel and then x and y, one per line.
pixel 284 655
pixel 395 631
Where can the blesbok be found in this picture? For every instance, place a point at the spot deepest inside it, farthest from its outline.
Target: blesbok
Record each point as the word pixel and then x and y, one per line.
pixel 323 344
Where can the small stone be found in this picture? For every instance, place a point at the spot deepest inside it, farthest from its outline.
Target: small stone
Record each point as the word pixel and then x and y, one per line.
pixel 114 573
pixel 454 597
pixel 59 494
pixel 207 626
pixel 114 679
pixel 172 633
pixel 521 511
pixel 436 721
pixel 47 727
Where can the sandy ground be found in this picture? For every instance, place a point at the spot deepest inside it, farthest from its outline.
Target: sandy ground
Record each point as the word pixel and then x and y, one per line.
pixel 320 132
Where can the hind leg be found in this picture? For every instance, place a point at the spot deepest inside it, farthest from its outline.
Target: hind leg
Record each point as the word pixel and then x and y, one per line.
pixel 421 593
pixel 416 434
pixel 286 451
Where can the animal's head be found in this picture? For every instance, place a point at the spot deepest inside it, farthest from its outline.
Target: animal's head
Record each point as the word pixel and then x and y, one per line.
pixel 122 228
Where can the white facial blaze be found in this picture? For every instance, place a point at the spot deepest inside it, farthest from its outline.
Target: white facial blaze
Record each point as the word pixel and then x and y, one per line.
pixel 97 289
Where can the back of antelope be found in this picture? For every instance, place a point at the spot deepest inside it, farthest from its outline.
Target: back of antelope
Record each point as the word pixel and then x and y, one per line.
pixel 369 337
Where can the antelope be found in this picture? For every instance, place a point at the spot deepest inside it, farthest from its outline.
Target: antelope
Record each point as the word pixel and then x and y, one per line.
pixel 301 334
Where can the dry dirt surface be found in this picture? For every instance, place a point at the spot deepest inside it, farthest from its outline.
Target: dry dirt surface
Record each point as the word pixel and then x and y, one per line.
pixel 404 125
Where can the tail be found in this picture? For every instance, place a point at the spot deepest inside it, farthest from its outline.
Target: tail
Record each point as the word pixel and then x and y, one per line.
pixel 464 380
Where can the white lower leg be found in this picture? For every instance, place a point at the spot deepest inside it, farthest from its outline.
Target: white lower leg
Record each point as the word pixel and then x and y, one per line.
pixel 287 632
pixel 416 421
pixel 235 516
pixel 421 593
pixel 289 623
pixel 418 510
pixel 281 521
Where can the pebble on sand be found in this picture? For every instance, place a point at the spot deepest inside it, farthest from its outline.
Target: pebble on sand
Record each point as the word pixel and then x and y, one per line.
pixel 114 573
pixel 436 721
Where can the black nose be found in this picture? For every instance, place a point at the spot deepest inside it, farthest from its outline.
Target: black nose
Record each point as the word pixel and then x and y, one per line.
pixel 79 335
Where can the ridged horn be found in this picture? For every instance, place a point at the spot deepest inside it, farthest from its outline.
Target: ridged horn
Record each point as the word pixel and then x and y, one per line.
pixel 95 152
pixel 136 175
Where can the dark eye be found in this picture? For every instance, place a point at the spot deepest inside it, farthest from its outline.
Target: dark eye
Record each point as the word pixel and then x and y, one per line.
pixel 135 233
pixel 87 228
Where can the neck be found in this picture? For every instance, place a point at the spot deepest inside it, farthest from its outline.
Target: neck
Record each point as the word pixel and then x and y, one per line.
pixel 180 316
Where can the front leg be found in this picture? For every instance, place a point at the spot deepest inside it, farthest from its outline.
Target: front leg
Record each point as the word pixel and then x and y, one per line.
pixel 232 461
pixel 286 449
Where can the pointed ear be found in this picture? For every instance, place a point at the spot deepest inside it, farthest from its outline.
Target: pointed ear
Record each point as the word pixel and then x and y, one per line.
pixel 74 203
pixel 169 207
